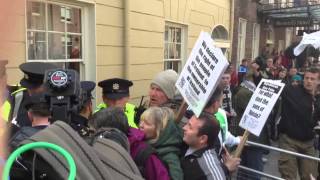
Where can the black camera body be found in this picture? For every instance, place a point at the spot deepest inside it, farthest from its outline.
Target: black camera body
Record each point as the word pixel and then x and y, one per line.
pixel 63 92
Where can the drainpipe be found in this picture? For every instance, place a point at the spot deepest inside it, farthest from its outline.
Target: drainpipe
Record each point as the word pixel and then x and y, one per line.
pixel 231 30
pixel 126 39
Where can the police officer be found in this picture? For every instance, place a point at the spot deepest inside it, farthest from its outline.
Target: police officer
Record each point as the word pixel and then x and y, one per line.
pixel 31 83
pixel 116 94
pixel 79 122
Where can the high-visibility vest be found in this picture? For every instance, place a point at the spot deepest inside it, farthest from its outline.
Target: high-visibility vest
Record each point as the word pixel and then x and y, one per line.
pixel 18 96
pixel 5 110
pixel 129 111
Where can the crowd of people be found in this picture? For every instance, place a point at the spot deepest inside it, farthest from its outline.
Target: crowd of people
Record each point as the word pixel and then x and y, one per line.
pixel 164 147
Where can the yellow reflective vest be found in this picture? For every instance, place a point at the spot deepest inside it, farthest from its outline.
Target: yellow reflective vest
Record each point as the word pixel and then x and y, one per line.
pixel 5 110
pixel 129 111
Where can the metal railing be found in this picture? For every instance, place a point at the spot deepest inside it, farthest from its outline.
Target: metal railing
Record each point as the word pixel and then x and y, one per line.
pixel 266 175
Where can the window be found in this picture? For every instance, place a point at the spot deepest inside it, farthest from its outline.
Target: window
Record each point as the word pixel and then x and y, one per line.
pixel 173 47
pixel 54 33
pixel 255 40
pixel 220 36
pixel 270 35
pixel 241 39
pixel 288 37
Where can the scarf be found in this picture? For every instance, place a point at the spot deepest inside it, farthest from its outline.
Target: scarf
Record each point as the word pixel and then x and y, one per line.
pixel 248 85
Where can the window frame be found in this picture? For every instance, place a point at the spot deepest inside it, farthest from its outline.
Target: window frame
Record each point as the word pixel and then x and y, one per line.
pixel 47 32
pixel 255 40
pixel 241 40
pixel 183 40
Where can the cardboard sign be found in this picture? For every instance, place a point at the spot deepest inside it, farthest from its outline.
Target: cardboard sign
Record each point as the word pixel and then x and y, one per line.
pixel 260 105
pixel 201 73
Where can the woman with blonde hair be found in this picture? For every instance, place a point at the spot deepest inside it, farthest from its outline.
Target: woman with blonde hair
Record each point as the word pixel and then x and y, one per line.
pixel 164 136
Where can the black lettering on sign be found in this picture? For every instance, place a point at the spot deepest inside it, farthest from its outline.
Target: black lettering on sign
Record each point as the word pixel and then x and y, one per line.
pixel 189 69
pixel 204 45
pixel 210 53
pixel 206 60
pixel 198 71
pixel 254 114
pixel 197 59
pixel 206 82
pixel 204 69
pixel 200 52
pixel 212 67
pixel 265 102
pixel 258 99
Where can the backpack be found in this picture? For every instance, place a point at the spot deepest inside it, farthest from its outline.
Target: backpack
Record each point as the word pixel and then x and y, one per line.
pixel 104 160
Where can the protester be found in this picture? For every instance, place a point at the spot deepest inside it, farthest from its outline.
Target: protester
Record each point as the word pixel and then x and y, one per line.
pixel 251 156
pixel 242 70
pixel 283 75
pixel 277 64
pixel 234 76
pixel 149 165
pixel 296 80
pixel 162 93
pixel 227 104
pixel 165 136
pixel 200 160
pixel 270 70
pixel 296 127
pixel 162 89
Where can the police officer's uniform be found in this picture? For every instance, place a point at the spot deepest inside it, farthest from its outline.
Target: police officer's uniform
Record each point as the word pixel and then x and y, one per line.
pixel 33 78
pixel 80 123
pixel 117 88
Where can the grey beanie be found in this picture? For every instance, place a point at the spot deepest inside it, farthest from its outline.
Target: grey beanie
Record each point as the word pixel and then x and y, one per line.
pixel 166 80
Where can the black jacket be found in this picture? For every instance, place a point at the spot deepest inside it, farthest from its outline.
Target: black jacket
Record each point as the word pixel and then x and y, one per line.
pixel 297 113
pixel 22 134
pixel 202 164
pixel 80 124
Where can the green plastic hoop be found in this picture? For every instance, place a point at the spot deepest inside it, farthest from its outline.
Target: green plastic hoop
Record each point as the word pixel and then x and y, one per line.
pixel 26 147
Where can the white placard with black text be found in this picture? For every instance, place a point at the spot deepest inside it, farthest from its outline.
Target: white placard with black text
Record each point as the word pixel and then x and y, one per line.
pixel 260 105
pixel 201 73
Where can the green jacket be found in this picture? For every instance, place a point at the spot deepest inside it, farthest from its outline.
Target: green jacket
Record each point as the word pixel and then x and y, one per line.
pixel 129 111
pixel 168 149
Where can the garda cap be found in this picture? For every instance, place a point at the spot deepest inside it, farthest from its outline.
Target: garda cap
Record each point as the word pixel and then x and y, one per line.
pixel 87 87
pixel 115 88
pixel 34 73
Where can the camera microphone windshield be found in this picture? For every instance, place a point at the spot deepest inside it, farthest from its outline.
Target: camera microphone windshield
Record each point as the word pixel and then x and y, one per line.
pixel 63 91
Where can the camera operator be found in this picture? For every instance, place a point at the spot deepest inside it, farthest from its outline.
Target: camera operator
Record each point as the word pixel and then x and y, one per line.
pixel 38 113
pixel 79 122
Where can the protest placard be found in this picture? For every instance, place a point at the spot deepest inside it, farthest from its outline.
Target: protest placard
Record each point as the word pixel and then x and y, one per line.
pixel 201 73
pixel 260 105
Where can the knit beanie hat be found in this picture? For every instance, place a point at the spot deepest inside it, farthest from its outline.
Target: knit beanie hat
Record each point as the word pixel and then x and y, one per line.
pixel 296 78
pixel 166 80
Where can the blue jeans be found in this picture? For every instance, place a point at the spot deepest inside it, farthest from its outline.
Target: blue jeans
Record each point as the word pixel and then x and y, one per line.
pixel 251 157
